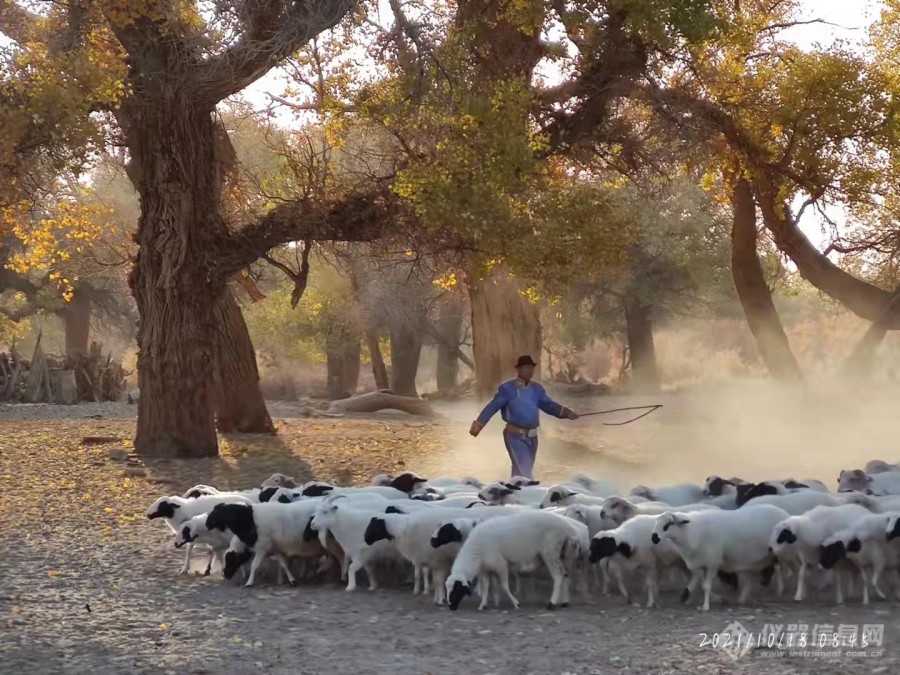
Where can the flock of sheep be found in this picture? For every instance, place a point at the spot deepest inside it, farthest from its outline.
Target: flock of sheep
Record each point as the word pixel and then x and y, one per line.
pixel 458 536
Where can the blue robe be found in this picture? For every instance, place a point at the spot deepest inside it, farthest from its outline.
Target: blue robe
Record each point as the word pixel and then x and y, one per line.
pixel 520 404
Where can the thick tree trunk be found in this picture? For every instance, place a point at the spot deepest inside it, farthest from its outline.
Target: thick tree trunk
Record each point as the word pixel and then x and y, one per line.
pixel 237 399
pixel 859 364
pixel 639 331
pixel 450 321
pixel 505 325
pixel 860 297
pixel 750 283
pixel 77 321
pixel 176 171
pixel 406 348
pixel 379 370
pixel 334 373
pixel 352 357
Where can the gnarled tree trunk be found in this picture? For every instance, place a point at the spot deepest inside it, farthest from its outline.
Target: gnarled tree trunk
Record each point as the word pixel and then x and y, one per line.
pixel 379 370
pixel 175 169
pixel 505 325
pixel 750 283
pixel 859 364
pixel 342 363
pixel 77 322
pixel 237 399
pixel 406 348
pixel 639 331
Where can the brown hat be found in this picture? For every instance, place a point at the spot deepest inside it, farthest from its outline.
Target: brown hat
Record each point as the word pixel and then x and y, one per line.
pixel 525 361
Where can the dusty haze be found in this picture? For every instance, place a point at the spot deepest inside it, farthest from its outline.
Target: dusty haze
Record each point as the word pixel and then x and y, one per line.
pixel 749 428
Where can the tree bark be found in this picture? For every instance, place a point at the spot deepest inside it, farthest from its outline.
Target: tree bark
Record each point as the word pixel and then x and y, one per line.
pixel 77 322
pixel 859 364
pixel 379 370
pixel 639 331
pixel 176 171
pixel 750 283
pixel 351 357
pixel 237 399
pixel 450 321
pixel 334 373
pixel 406 348
pixel 505 325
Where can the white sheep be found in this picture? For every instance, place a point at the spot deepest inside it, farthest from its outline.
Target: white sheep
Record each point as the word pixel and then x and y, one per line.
pixel 411 534
pixel 177 510
pixel 596 486
pixel 630 548
pixel 883 483
pixel 799 502
pixel 347 522
pixel 194 531
pixel 498 545
pixel 616 510
pixel 718 540
pixel 561 495
pixel 865 544
pixel 673 495
pixel 796 539
pixel 281 531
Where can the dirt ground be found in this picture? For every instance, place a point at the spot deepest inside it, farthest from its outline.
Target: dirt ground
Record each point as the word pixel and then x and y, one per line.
pixel 89 585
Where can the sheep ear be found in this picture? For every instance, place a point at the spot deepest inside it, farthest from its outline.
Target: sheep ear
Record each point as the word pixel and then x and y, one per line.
pixel 682 521
pixel 175 506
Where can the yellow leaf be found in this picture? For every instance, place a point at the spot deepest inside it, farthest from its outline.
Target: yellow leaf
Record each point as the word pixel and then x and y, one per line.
pixel 109 509
pixel 163 626
pixel 52 573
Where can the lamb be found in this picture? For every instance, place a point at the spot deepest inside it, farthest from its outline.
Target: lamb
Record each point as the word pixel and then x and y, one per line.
pixel 716 486
pixel 447 538
pixel 519 542
pixel 176 510
pixel 631 548
pixel 200 490
pixel 279 480
pixel 595 486
pixel 507 493
pixel 194 531
pixel 798 503
pixel 879 484
pixel 278 530
pixel 864 543
pixel 560 495
pixel 321 489
pixel 348 523
pixel 714 541
pixel 412 537
pixel 879 466
pixel 673 495
pixel 616 510
pixel 797 539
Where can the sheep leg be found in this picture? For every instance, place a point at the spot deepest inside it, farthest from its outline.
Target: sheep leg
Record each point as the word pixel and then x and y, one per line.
pixel 427 574
pixel 187 558
pixel 484 584
pixel 800 594
pixel 345 565
pixel 620 580
pixel 370 572
pixel 838 587
pixel 503 577
pixel 355 566
pixel 877 569
pixel 440 577
pixel 417 578
pixel 209 562
pixel 604 572
pixel 745 586
pixel 708 576
pixel 865 585
pixel 257 561
pixel 779 581
pixel 692 584
pixel 287 570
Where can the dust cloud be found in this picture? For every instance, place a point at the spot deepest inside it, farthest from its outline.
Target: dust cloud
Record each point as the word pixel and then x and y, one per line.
pixel 753 429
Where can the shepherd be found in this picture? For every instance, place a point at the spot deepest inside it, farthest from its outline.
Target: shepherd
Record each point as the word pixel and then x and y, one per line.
pixel 520 402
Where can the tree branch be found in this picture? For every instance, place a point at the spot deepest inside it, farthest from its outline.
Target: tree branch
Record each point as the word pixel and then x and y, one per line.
pixel 275 29
pixel 15 22
pixel 362 216
pixel 300 278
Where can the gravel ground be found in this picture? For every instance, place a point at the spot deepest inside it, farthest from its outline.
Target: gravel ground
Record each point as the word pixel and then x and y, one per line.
pixel 87 584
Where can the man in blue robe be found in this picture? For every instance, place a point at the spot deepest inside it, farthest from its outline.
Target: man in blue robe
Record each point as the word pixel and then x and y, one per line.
pixel 520 402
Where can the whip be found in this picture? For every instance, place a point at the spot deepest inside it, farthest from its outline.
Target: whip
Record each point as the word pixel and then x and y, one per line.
pixel 648 408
